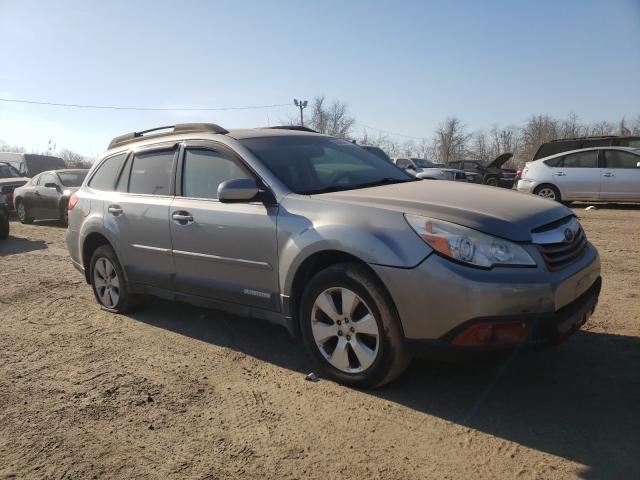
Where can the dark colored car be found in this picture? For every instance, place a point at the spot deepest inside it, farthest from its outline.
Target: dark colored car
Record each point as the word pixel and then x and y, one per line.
pixel 45 196
pixel 4 217
pixel 566 144
pixel 492 174
pixel 10 179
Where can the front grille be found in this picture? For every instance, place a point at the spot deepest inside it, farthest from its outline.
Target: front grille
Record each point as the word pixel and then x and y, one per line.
pixel 562 254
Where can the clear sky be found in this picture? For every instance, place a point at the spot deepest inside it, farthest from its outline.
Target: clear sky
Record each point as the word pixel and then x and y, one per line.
pixel 402 66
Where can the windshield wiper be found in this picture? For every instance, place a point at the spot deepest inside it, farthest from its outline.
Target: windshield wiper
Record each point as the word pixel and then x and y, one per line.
pixel 341 188
pixel 381 181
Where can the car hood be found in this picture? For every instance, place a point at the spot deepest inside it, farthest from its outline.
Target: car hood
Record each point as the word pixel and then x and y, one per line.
pixel 13 181
pixel 500 160
pixel 496 211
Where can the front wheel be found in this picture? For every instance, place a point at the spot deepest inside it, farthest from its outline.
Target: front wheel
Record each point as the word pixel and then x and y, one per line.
pixel 548 191
pixel 108 282
pixel 23 214
pixel 351 328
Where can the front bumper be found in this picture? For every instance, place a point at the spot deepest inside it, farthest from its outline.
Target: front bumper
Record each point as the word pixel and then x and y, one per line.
pixel 436 298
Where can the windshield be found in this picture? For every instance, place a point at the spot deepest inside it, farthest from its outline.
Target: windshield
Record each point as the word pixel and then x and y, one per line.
pixel 7 171
pixel 314 164
pixel 72 179
pixel 422 163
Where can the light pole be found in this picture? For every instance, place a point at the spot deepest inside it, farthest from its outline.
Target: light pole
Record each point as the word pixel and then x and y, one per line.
pixel 300 104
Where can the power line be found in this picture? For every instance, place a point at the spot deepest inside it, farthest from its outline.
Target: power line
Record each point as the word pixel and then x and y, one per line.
pixel 163 109
pixel 390 133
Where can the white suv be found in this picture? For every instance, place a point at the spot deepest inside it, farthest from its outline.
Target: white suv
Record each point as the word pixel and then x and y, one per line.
pixel 601 174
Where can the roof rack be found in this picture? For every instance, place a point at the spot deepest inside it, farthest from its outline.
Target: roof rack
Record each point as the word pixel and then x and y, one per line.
pixel 293 127
pixel 584 138
pixel 174 129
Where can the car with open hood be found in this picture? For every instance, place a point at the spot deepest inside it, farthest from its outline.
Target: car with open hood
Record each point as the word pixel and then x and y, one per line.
pixel 362 262
pixel 491 173
pixel 10 179
pixel 428 170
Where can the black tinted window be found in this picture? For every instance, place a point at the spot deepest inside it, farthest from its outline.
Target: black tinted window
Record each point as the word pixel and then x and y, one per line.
pixel 618 159
pixel 581 160
pixel 105 177
pixel 151 173
pixel 204 170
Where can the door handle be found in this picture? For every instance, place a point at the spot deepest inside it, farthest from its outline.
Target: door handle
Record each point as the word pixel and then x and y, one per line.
pixel 559 174
pixel 608 174
pixel 115 210
pixel 182 218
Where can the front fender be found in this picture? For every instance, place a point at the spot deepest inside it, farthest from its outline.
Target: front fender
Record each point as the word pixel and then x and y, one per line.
pixel 374 235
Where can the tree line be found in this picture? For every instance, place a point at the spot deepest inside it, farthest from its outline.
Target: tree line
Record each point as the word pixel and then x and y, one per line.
pixel 71 158
pixel 451 140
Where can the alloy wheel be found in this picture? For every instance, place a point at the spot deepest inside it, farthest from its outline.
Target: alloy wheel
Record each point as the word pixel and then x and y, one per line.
pixel 547 192
pixel 22 212
pixel 345 330
pixel 106 282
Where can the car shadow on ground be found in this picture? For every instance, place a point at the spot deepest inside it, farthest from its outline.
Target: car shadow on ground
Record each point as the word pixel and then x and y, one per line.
pixel 14 245
pixel 578 400
pixel 607 206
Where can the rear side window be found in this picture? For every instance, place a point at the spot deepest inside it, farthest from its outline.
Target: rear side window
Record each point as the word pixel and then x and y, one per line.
pixel 151 173
pixel 581 160
pixel 553 162
pixel 204 170
pixel 105 176
pixel 618 159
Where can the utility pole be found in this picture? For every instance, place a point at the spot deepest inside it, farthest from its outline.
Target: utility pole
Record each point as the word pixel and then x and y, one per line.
pixel 300 104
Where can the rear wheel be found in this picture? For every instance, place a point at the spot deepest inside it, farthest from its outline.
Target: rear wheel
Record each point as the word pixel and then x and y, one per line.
pixel 351 328
pixel 23 213
pixel 108 282
pixel 492 182
pixel 4 226
pixel 64 215
pixel 548 191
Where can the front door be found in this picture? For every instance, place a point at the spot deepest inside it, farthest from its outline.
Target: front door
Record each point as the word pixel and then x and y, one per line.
pixel 621 176
pixel 578 176
pixel 137 215
pixel 221 251
pixel 46 198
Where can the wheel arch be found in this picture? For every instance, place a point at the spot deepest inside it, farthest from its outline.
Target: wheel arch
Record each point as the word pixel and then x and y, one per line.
pixel 91 242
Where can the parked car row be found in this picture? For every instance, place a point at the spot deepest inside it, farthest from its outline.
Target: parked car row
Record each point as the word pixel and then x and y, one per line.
pixel 361 261
pixel 425 169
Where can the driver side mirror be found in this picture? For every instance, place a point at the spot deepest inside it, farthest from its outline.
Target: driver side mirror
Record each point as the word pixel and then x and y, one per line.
pixel 52 185
pixel 239 190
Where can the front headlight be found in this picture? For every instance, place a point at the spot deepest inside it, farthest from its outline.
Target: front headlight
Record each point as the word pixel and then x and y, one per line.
pixel 467 245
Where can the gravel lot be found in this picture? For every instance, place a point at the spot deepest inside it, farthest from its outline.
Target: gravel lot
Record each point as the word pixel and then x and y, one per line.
pixel 174 391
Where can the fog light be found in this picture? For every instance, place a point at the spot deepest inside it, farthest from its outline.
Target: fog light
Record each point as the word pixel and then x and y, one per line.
pixel 492 334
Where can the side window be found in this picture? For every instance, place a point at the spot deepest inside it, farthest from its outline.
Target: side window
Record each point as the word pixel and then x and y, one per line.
pixel 403 162
pixel 554 162
pixel 46 178
pixel 581 160
pixel 203 170
pixel 619 159
pixel 105 177
pixel 151 172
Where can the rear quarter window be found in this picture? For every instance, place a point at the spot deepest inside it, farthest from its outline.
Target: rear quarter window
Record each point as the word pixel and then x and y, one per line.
pixel 105 176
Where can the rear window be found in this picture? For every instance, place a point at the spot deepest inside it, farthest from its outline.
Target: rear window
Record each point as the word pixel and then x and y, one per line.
pixel 7 171
pixel 72 179
pixel 105 176
pixel 151 173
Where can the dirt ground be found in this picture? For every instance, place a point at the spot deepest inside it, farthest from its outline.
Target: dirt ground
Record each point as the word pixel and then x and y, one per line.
pixel 174 391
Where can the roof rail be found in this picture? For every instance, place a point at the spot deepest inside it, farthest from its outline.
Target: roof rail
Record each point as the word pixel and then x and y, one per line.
pixel 585 138
pixel 293 127
pixel 174 129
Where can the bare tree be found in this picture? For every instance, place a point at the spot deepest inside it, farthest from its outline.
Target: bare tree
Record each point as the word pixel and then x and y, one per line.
pixel 450 140
pixel 479 147
pixel 74 159
pixel 602 128
pixel 571 127
pixel 537 130
pixel 331 119
pixel 5 147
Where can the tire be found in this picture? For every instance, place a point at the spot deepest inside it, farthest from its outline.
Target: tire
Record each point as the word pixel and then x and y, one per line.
pixel 492 182
pixel 379 341
pixel 108 282
pixel 23 213
pixel 64 215
pixel 4 226
pixel 548 191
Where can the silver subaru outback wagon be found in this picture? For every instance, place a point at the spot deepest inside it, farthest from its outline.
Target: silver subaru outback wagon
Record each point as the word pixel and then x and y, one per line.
pixel 364 263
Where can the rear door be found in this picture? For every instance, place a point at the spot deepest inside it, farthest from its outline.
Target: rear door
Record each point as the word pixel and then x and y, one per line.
pixel 224 251
pixel 137 215
pixel 578 175
pixel 48 197
pixel 620 176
